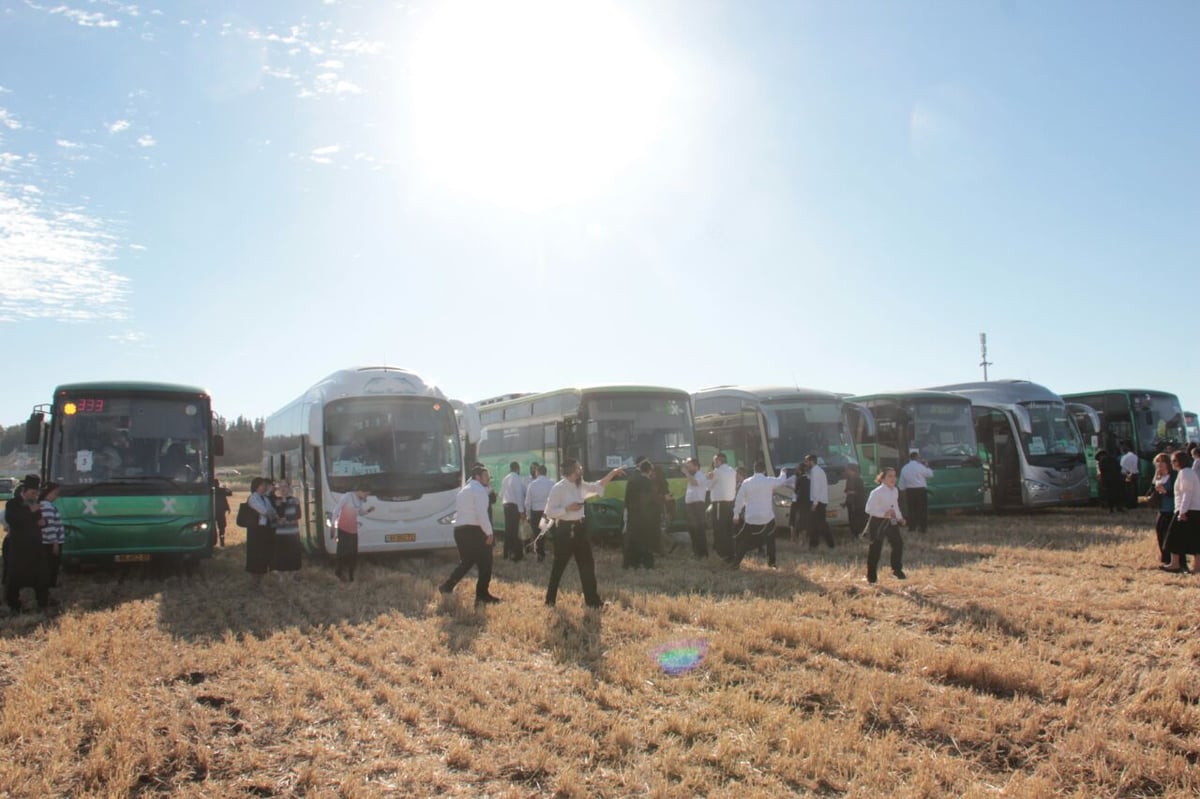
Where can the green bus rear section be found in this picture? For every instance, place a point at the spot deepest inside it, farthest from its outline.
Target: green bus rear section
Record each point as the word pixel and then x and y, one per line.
pixel 1117 410
pixel 101 527
pixel 950 488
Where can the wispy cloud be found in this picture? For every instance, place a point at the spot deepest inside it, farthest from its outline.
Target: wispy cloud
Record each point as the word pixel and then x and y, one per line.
pixel 8 120
pixel 92 19
pixel 120 126
pixel 146 141
pixel 330 83
pixel 128 337
pixel 54 262
pixel 324 155
pixel 67 144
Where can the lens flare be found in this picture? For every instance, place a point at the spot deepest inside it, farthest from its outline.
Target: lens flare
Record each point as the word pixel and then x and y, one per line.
pixel 680 657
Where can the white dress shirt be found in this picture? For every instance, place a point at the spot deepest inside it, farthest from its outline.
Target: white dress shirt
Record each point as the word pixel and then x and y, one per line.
pixel 537 493
pixel 697 487
pixel 883 499
pixel 512 490
pixel 1129 463
pixel 723 487
pixel 755 497
pixel 566 493
pixel 471 507
pixel 1187 491
pixel 818 485
pixel 914 475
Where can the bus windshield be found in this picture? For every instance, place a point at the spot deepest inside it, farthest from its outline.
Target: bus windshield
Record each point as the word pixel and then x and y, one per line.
pixel 1055 440
pixel 943 432
pixel 131 444
pixel 805 427
pixel 1159 422
pixel 392 445
pixel 624 427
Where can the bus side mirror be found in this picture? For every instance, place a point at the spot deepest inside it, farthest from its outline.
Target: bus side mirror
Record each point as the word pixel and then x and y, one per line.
pixel 33 429
pixel 218 445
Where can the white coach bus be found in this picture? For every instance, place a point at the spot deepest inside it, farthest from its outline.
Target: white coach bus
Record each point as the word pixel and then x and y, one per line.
pixel 382 428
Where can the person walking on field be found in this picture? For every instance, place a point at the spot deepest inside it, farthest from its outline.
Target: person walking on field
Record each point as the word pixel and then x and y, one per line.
pixel 722 489
pixel 1183 536
pixel 643 509
pixel 883 521
pixel 1162 493
pixel 348 514
pixel 473 536
pixel 694 501
pixel 565 507
pixel 536 494
pixel 754 508
pixel 914 483
pixel 818 488
pixel 512 495
pixel 1129 470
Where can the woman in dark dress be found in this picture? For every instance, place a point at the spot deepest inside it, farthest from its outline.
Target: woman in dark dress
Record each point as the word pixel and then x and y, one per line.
pixel 1183 537
pixel 1162 493
pixel 260 535
pixel 286 553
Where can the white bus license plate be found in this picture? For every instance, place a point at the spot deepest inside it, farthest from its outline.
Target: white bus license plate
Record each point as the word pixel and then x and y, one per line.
pixel 138 558
pixel 400 538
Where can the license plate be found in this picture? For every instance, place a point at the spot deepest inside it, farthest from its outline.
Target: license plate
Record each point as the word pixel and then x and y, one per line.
pixel 138 558
pixel 400 538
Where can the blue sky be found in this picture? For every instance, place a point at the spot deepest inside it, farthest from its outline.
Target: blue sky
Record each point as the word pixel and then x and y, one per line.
pixel 249 196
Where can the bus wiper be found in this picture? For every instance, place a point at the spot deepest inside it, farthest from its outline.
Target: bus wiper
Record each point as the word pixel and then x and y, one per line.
pixel 127 481
pixel 156 477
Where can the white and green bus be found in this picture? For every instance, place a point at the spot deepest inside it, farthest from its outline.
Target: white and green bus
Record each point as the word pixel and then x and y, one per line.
pixel 385 429
pixel 781 425
pixel 601 427
pixel 135 463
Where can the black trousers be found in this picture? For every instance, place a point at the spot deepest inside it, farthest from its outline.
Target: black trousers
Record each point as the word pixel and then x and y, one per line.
pixel 347 554
pixel 473 550
pixel 1131 492
pixel 858 520
pixel 512 532
pixel 640 537
pixel 798 517
pixel 752 536
pixel 571 541
pixel 695 522
pixel 818 526
pixel 1113 494
pixel 53 561
pixel 879 528
pixel 535 524
pixel 917 503
pixel 1161 526
pixel 723 530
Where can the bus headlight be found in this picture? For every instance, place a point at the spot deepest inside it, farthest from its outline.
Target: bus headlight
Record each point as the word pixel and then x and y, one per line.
pixel 196 527
pixel 328 521
pixel 781 501
pixel 448 519
pixel 1034 487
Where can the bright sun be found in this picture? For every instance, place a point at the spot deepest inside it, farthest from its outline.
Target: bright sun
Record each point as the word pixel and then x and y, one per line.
pixel 533 103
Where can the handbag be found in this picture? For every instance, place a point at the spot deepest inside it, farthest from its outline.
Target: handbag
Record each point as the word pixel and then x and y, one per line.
pixel 246 516
pixel 524 531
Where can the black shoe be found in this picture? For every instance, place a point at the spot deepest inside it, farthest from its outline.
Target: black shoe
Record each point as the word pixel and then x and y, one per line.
pixel 871 578
pixel 900 575
pixel 1171 569
pixel 487 600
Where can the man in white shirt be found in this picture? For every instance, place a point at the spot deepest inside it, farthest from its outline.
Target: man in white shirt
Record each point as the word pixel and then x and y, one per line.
pixel 695 499
pixel 512 495
pixel 473 536
pixel 818 501
pixel 755 510
pixel 722 488
pixel 536 494
pixel 1129 469
pixel 914 486
pixel 565 507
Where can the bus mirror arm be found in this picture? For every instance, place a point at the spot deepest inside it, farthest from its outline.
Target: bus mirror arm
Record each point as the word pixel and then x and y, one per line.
pixel 218 445
pixel 33 428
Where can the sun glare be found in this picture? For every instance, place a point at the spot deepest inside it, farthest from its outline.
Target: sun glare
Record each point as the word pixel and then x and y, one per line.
pixel 533 103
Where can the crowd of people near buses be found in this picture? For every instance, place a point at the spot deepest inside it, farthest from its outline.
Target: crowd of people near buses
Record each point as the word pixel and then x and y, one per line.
pixel 736 504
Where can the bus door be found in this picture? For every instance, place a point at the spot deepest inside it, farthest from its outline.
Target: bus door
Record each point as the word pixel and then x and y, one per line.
pixel 998 452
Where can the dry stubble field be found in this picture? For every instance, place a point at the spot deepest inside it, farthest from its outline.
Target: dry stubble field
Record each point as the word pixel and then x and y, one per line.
pixel 1033 655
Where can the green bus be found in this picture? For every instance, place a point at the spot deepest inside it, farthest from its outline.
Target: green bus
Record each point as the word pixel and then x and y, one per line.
pixel 601 427
pixel 135 462
pixel 1149 421
pixel 940 427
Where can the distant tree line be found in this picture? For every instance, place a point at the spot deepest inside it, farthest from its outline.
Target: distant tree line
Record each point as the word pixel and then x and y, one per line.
pixel 243 439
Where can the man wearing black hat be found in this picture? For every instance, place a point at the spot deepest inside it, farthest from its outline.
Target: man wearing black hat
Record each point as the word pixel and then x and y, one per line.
pixel 24 556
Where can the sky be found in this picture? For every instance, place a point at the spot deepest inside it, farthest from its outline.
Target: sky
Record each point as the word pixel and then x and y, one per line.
pixel 526 195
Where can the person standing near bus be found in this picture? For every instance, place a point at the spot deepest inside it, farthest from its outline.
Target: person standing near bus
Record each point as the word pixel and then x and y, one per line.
pixel 799 514
pixel 260 536
pixel 883 521
pixel 1183 537
pixel 1112 483
pixel 536 494
pixel 565 507
pixel 512 496
pixel 1162 493
pixel 914 483
pixel 754 508
pixel 347 513
pixel 722 489
pixel 54 535
pixel 643 515
pixel 856 499
pixel 285 551
pixel 473 535
pixel 818 488
pixel 221 495
pixel 694 501
pixel 24 556
pixel 1129 470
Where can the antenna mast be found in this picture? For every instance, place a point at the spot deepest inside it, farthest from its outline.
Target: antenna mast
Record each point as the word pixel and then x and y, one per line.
pixel 983 361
